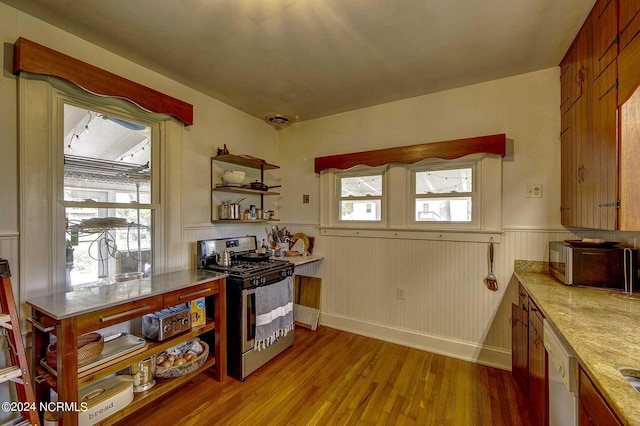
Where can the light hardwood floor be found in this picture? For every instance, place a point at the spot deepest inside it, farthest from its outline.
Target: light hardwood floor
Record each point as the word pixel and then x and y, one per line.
pixel 334 377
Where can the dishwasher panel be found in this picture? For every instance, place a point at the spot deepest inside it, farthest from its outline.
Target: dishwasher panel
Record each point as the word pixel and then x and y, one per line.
pixel 562 373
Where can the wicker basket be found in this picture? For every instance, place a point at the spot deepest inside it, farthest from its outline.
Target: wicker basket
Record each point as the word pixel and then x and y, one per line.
pixel 180 370
pixel 89 346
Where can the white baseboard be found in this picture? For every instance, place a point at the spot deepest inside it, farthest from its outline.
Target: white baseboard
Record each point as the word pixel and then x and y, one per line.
pixel 489 356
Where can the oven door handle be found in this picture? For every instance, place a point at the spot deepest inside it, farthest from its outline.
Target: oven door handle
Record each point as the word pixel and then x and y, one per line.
pixel 246 342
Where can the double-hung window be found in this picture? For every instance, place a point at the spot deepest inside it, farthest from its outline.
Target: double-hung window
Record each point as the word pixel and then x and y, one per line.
pixel 444 194
pixel 108 194
pixel 360 196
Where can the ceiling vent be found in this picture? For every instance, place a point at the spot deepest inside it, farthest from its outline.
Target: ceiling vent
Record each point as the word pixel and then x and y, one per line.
pixel 278 121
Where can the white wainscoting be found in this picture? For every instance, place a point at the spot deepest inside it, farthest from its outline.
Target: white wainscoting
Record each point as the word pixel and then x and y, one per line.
pixel 446 307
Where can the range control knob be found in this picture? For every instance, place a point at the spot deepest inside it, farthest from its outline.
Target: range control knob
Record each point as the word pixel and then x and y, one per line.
pixel 185 321
pixel 167 328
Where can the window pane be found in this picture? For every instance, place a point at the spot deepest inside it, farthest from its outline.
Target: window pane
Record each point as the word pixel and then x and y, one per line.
pixel 360 210
pixel 444 181
pixel 361 186
pixel 443 209
pixel 105 242
pixel 109 155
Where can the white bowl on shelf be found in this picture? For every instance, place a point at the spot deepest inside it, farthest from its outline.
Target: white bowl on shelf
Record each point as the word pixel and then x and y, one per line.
pixel 233 177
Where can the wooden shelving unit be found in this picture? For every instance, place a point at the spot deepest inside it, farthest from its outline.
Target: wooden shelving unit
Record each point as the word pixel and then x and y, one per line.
pixel 240 190
pixel 172 288
pixel 244 161
pixel 247 161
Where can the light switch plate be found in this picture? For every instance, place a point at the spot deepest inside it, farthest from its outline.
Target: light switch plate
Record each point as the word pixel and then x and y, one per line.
pixel 534 190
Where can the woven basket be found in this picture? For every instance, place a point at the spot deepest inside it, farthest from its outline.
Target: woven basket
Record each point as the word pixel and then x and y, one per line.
pixel 179 370
pixel 89 346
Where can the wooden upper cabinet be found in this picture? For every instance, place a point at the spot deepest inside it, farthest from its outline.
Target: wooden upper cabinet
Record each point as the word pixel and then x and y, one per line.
pixel 604 35
pixel 629 21
pixel 604 144
pixel 567 177
pixel 576 165
pixel 575 70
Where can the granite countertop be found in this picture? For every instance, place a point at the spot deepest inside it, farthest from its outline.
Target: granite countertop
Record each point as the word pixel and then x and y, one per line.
pixel 601 330
pixel 64 305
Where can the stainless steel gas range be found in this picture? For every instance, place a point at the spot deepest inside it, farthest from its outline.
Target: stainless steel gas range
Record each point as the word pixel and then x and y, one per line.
pixel 247 270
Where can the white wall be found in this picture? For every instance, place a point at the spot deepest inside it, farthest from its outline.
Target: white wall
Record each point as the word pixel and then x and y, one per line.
pixel 525 107
pixel 447 308
pixel 214 125
pixel 214 122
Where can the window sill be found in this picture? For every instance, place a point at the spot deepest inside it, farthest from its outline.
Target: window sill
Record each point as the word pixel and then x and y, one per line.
pixel 406 233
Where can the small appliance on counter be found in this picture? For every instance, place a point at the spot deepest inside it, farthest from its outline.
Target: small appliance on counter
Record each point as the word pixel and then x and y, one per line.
pixel 594 264
pixel 166 323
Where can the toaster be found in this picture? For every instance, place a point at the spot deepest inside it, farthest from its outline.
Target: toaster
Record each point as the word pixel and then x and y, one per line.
pixel 166 323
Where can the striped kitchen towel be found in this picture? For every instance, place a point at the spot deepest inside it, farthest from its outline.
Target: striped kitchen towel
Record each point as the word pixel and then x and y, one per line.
pixel 274 312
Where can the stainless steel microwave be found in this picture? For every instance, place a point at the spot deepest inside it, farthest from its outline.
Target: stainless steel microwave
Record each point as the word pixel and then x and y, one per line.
pixel 606 267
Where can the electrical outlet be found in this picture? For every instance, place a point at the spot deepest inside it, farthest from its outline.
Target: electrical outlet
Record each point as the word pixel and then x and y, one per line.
pixel 534 190
pixel 400 293
pixel 305 199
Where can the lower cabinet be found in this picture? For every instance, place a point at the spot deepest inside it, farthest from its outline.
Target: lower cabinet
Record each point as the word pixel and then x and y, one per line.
pixel 520 341
pixel 538 384
pixel 528 356
pixel 593 409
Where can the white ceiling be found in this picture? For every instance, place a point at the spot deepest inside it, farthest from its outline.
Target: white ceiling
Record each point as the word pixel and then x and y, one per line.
pixel 313 58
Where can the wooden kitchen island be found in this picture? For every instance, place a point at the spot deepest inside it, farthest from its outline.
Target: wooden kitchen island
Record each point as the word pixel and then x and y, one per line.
pixel 69 315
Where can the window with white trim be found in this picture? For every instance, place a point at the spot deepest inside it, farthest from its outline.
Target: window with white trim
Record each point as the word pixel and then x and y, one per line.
pixel 432 195
pixel 443 193
pixel 109 193
pixel 360 196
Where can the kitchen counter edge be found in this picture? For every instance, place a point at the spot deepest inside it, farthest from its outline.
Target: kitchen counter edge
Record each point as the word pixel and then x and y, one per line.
pixel 60 306
pixel 599 329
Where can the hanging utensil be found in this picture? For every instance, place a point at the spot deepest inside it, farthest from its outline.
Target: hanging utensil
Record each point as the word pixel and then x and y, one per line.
pixel 490 280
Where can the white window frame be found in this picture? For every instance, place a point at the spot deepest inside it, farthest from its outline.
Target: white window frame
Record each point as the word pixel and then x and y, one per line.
pixel 399 203
pixel 434 165
pixel 361 172
pixel 42 242
pixel 58 156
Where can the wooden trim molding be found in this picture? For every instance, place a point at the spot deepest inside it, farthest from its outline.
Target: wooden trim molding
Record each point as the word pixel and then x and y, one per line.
pixel 446 150
pixel 34 58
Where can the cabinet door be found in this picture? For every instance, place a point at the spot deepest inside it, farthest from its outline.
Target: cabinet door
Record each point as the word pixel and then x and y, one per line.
pixel 568 181
pixel 604 33
pixel 538 385
pixel 520 347
pixel 576 158
pixel 604 101
pixel 575 70
pixel 629 21
pixel 567 81
pixel 593 410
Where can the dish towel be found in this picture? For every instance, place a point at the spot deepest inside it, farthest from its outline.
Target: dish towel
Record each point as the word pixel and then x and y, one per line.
pixel 274 312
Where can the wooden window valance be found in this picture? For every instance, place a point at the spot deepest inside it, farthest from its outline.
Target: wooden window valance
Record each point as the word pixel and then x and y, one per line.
pixel 447 150
pixel 34 58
